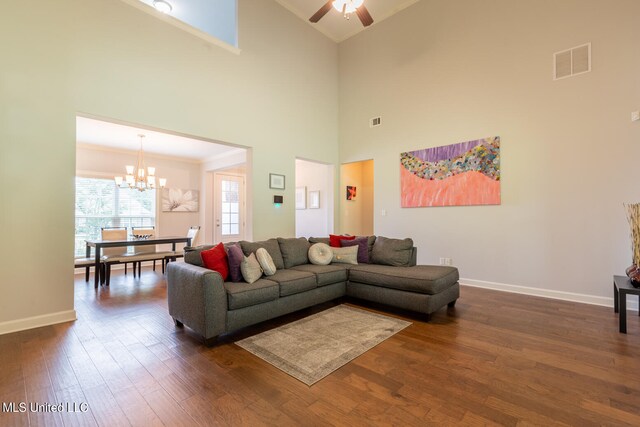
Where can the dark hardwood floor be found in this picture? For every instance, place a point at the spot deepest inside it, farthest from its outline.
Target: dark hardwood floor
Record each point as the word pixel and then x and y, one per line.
pixel 494 359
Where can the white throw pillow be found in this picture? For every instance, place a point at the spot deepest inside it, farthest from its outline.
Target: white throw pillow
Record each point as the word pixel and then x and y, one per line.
pixel 266 262
pixel 250 269
pixel 320 254
pixel 348 255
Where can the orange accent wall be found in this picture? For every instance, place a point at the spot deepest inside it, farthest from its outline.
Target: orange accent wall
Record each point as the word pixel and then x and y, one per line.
pixel 469 188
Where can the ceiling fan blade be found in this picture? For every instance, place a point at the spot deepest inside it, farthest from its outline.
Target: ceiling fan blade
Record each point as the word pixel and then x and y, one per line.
pixel 364 15
pixel 321 12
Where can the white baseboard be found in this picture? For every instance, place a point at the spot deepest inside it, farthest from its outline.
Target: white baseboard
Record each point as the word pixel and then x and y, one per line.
pixel 549 293
pixel 37 321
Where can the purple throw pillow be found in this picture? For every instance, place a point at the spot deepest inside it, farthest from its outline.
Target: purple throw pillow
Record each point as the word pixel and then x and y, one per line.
pixel 363 248
pixel 236 256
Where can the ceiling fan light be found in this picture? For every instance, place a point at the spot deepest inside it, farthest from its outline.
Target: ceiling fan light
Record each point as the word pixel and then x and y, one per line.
pixel 162 6
pixel 349 6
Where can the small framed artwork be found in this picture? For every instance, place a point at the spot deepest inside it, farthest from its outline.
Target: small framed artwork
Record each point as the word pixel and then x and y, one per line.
pixel 301 197
pixel 351 192
pixel 314 199
pixel 276 181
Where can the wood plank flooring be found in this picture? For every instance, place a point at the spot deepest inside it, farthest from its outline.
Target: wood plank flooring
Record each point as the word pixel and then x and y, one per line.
pixel 494 359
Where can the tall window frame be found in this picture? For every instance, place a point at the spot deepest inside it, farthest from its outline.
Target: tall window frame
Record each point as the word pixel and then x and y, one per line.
pixel 100 203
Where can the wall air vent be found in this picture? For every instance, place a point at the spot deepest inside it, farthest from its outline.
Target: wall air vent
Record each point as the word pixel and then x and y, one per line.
pixel 376 121
pixel 572 62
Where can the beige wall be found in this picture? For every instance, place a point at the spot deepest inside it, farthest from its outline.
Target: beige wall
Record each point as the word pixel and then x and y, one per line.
pixel 356 216
pixel 442 72
pixel 108 59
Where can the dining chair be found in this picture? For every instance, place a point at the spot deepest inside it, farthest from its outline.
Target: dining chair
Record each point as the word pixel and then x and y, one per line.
pixel 85 263
pixel 147 252
pixel 193 234
pixel 115 255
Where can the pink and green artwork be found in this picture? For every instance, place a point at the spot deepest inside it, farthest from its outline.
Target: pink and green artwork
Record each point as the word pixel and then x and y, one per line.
pixel 461 174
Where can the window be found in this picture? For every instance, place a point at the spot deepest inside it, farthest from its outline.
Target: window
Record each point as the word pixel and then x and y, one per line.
pixel 100 203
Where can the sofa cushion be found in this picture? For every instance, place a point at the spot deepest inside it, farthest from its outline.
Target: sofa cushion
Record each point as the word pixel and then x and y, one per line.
pixel 241 295
pixel 270 245
pixel 236 256
pixel 324 240
pixel 363 248
pixel 325 274
pixel 216 259
pixel 250 269
pixel 334 239
pixel 424 279
pixel 345 255
pixel 294 251
pixel 192 254
pixel 293 281
pixel 320 254
pixel 266 262
pixel 396 252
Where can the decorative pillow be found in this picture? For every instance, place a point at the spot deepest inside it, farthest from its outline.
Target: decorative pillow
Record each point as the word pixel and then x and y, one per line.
pixel 394 252
pixel 345 255
pixel 234 252
pixel 334 240
pixel 320 254
pixel 216 259
pixel 192 254
pixel 294 251
pixel 270 245
pixel 250 268
pixel 266 262
pixel 363 248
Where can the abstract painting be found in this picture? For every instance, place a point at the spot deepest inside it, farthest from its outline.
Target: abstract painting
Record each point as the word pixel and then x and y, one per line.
pixel 461 174
pixel 176 200
pixel 351 192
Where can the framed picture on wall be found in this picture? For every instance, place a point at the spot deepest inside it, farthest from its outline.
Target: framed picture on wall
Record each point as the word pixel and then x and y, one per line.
pixel 276 181
pixel 351 192
pixel 179 200
pixel 314 199
pixel 301 197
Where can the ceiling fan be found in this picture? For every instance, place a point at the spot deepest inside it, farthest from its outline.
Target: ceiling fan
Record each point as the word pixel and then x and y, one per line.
pixel 346 7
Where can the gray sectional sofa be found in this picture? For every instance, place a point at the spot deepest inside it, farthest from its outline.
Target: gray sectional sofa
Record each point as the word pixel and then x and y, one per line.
pixel 199 299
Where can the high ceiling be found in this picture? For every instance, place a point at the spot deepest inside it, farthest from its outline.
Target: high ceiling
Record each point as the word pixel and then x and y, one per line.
pixel 334 25
pixel 123 137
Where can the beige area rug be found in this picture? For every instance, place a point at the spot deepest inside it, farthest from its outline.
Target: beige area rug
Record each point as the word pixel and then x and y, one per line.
pixel 311 348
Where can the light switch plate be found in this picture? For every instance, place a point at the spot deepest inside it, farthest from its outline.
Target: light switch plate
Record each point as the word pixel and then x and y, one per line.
pixel 635 116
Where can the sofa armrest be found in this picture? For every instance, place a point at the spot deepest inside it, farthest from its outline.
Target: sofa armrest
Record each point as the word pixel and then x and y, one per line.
pixel 197 298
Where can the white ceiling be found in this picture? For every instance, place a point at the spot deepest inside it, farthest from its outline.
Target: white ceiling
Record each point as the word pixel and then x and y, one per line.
pixel 334 25
pixel 123 137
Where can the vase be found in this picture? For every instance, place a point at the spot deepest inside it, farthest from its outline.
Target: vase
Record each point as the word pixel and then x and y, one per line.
pixel 633 272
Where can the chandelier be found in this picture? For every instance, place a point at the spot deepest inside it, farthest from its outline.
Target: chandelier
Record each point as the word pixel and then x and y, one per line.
pixel 140 178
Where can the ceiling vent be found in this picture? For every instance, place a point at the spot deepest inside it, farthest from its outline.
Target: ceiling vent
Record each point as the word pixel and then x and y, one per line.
pixel 572 62
pixel 376 121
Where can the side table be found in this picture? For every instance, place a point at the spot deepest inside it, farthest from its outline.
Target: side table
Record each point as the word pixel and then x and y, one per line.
pixel 621 288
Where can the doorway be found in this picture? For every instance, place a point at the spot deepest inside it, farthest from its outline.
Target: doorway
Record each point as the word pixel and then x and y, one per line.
pixel 356 198
pixel 314 198
pixel 230 207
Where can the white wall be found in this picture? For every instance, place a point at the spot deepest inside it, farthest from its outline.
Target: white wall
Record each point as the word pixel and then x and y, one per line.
pixel 442 72
pixel 180 173
pixel 315 177
pixel 108 59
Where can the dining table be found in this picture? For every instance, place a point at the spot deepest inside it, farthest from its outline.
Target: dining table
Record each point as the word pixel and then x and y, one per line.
pixel 99 244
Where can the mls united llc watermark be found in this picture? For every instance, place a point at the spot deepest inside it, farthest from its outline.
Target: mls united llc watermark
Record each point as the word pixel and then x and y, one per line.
pixel 33 407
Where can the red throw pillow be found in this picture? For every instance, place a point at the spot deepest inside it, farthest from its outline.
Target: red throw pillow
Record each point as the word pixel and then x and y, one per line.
pixel 335 240
pixel 216 259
